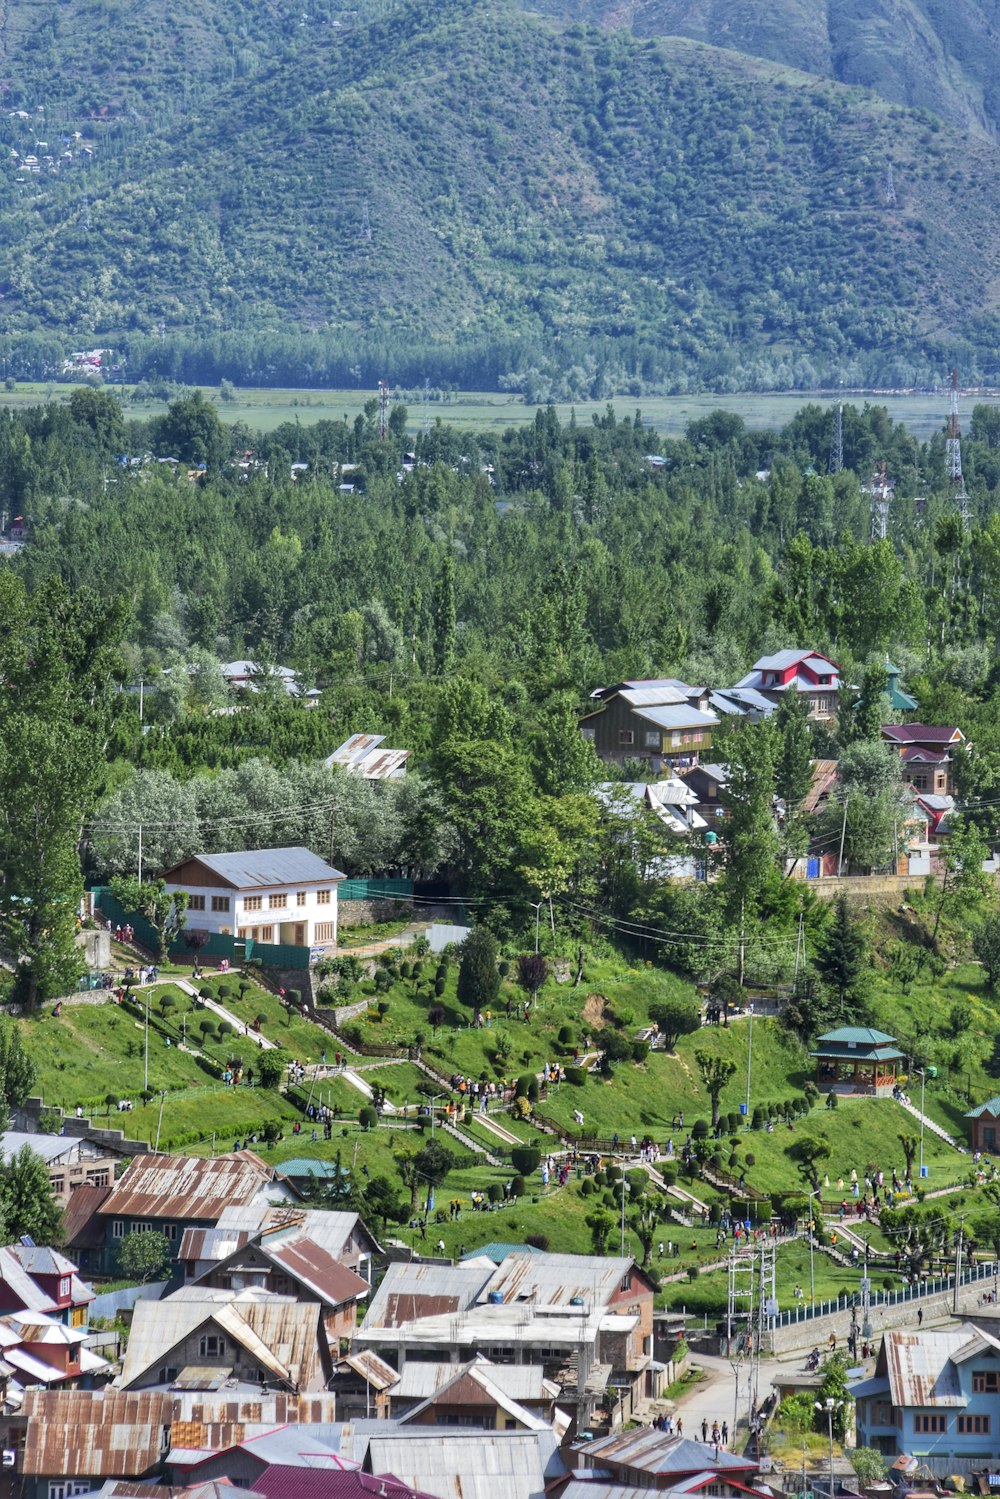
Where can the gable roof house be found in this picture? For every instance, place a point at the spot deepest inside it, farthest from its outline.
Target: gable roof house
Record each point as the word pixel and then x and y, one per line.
pixel 934 1396
pixel 269 895
pixel 807 673
pixel 34 1278
pixel 925 751
pixel 662 722
pixel 204 1424
pixel 74 1436
pixel 39 1350
pixel 483 1394
pixel 343 1235
pixel 650 1459
pixel 285 1261
pixel 203 1339
pixel 173 1193
pixel 72 1162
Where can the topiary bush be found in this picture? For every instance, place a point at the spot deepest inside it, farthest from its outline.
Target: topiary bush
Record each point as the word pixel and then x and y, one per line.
pixel 368 1117
pixel 495 1193
pixel 700 1130
pixel 525 1159
pixel 517 1186
pixel 832 1101
pixel 751 1158
pixel 567 1035
pixel 640 1051
pixel 733 1122
pixel 383 980
pixel 576 1075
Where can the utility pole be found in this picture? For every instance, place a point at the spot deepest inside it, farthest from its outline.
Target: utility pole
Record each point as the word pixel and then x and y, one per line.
pixel 749 1062
pixel 800 953
pixel 383 410
pixel 843 835
pixel 140 853
pixel 958 1262
pixel 622 1251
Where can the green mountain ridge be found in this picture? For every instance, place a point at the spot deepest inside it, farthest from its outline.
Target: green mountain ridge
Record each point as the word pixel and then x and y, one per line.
pixel 923 54
pixel 472 172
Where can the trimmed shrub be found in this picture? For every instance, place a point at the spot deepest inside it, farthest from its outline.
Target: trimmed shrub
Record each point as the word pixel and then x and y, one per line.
pixel 383 1008
pixel 700 1131
pixel 503 968
pixel 383 980
pixel 734 1122
pixel 525 1159
pixel 523 1084
pixel 832 1101
pixel 439 987
pixel 640 1051
pixel 599 1179
pixel 669 1174
pixel 368 1117
pixel 405 970
pixel 612 1173
pixel 567 1035
pixel 587 1187
pixel 576 1075
pixel 147 1095
pixel 751 1158
pixel 517 1186
pixel 759 1119
pixel 495 1192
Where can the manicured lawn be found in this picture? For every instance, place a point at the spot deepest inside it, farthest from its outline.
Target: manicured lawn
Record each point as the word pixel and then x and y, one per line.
pixel 860 1132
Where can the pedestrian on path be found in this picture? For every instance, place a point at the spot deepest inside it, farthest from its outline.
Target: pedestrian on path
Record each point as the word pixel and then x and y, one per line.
pixel 725 1433
pixel 704 1429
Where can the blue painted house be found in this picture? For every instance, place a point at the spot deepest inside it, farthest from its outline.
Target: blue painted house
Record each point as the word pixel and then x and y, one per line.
pixel 935 1396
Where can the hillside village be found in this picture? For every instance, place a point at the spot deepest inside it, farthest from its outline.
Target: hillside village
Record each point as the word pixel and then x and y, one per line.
pixel 458 1009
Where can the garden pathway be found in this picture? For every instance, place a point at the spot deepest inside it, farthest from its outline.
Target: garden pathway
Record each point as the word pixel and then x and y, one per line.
pixel 238 1025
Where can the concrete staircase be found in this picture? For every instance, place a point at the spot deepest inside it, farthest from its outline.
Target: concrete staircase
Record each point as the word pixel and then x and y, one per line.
pixel 934 1128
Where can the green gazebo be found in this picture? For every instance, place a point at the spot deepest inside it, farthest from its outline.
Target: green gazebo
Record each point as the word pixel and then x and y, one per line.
pixel 856 1059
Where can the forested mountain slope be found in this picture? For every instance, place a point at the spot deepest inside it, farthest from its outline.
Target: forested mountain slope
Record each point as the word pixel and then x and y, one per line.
pixel 925 54
pixel 433 177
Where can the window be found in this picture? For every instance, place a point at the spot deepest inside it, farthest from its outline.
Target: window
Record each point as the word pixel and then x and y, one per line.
pixel 326 931
pixel 978 1426
pixel 985 1381
pixel 63 1488
pixel 170 1231
pixel 64 1286
pixel 167 1376
pixel 675 738
pixel 143 1226
pixel 220 902
pixel 211 1346
pixel 302 897
pixel 652 739
pixel 266 934
pixel 929 1424
pixel 252 902
pixel 196 903
pixel 322 897
pixel 118 1229
pixel 626 736
pixel 882 1414
pixel 276 902
pixel 696 737
pixel 919 782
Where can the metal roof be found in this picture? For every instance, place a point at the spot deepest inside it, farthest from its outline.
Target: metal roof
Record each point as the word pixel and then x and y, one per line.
pixel 260 868
pixel 334 1231
pixel 409 1291
pixel 922 733
pixel 555 1279
pixel 315 1268
pixel 107 1433
pixel 857 1035
pixel 920 1368
pixel 188 1186
pixel 471 1386
pixel 215 1423
pixel 278 1482
pixel 498 1252
pixel 782 659
pixel 652 697
pixel 684 717
pixel 522 1382
pixel 991 1106
pixel 211 1243
pixel 470 1465
pixel 49 1147
pixel 362 755
pixel 647 1450
pixel 374 1370
pixel 280 1334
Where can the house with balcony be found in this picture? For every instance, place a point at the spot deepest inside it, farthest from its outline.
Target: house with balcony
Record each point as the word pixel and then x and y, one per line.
pixel 806 673
pixel 664 723
pixel 934 1395
pixel 272 895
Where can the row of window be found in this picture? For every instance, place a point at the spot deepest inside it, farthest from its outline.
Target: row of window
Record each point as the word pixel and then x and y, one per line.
pixel 651 739
pixel 118 1229
pixel 256 902
pixel 967 1426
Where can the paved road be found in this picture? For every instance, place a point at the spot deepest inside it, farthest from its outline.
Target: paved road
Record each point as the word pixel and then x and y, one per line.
pixel 714 1398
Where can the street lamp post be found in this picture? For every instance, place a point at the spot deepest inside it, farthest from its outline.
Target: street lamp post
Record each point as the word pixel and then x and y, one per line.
pixel 433 1102
pixel 749 1061
pixel 145 1065
pixel 829 1406
pixel 923 1080
pixel 812 1266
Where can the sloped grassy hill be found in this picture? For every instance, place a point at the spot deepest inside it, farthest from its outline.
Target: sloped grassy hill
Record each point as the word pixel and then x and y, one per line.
pixel 521 178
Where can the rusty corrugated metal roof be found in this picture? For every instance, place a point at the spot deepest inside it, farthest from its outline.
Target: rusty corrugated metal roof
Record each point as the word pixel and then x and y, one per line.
pixel 107 1433
pixel 310 1263
pixel 215 1423
pixel 920 1368
pixel 187 1186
